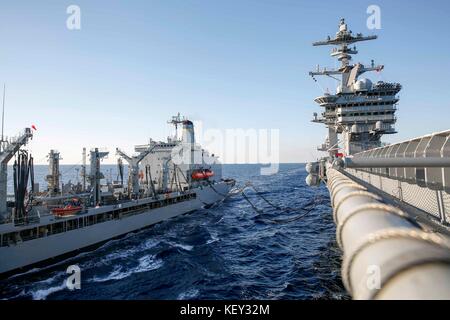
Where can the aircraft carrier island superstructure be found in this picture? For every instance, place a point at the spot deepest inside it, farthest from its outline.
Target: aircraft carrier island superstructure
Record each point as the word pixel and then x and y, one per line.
pixel 391 203
pixel 360 111
pixel 165 179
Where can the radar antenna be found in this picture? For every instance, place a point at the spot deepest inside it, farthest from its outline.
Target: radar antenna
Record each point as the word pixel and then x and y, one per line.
pixel 176 120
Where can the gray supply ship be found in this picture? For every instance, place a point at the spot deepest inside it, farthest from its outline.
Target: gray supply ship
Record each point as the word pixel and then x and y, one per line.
pixel 165 180
pixel 391 203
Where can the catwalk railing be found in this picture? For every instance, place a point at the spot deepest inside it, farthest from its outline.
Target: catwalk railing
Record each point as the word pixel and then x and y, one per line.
pixel 415 171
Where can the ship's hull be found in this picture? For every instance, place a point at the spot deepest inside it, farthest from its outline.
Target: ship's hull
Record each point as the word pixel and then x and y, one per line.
pixel 24 255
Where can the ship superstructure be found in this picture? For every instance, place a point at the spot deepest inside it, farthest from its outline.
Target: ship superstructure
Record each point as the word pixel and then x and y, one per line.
pixel 165 179
pixel 360 111
pixel 391 203
pixel 171 164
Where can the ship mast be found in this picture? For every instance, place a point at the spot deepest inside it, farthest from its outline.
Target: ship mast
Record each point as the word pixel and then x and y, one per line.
pixel 343 53
pixel 3 116
pixel 175 121
pixel 359 111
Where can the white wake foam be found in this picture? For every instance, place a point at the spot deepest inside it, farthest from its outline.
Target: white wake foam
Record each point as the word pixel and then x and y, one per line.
pixel 146 263
pixel 182 246
pixel 214 238
pixel 42 294
pixel 188 295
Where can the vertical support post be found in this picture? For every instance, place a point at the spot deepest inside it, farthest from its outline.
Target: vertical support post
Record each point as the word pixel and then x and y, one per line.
pixel 83 170
pixel 95 174
pixel 441 206
pixel 400 190
pixel 53 173
pixel 96 165
pixel 3 190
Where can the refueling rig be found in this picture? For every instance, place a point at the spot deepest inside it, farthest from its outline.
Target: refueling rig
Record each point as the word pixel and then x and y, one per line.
pixel 391 203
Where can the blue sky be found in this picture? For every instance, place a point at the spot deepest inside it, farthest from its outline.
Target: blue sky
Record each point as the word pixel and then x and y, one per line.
pixel 231 64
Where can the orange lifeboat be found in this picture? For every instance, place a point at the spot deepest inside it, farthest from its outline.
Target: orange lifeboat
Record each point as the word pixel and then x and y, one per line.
pixel 198 175
pixel 209 173
pixel 67 211
pixel 202 174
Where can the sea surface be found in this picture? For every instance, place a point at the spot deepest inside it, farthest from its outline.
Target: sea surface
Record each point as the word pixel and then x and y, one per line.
pixel 229 251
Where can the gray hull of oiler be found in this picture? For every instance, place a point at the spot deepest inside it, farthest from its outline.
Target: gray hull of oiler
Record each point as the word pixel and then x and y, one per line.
pixel 29 253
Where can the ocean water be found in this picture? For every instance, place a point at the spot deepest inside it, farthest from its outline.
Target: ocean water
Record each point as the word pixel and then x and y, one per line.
pixel 229 251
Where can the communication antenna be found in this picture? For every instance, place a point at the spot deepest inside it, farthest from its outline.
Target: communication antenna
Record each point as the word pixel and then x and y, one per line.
pixel 3 112
pixel 176 120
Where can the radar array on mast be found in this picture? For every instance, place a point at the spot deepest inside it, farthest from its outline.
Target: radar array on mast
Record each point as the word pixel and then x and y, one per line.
pixel 360 111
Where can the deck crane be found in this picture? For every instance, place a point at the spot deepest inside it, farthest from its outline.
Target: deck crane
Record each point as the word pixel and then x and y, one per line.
pixel 133 163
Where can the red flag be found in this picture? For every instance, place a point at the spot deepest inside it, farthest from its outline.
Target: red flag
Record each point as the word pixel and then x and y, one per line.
pixel 33 127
